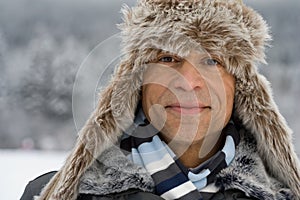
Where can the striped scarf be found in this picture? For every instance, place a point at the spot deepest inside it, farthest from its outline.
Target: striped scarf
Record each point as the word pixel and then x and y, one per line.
pixel 172 179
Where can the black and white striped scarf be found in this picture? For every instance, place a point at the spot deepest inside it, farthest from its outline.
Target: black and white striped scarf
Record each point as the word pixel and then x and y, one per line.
pixel 172 179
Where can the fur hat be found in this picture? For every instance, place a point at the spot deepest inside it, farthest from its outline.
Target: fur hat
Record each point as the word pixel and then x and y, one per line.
pixel 228 28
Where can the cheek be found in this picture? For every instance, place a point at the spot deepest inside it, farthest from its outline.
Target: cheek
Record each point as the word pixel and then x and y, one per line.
pixel 230 91
pixel 145 101
pixel 231 86
pixel 151 94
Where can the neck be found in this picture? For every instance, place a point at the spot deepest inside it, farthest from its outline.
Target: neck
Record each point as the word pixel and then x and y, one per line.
pixel 191 156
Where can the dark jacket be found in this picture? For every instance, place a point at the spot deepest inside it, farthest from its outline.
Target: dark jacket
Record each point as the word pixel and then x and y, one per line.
pixel 35 186
pixel 113 176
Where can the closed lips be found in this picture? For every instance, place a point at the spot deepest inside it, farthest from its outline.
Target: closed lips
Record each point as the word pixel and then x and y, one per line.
pixel 187 108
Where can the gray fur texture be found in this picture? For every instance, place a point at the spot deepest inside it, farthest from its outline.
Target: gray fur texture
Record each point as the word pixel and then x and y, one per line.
pixel 247 173
pixel 112 172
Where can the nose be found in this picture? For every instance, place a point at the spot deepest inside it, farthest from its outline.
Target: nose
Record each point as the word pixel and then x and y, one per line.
pixel 189 78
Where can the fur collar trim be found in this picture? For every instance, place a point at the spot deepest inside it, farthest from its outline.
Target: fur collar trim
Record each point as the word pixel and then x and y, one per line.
pixel 248 174
pixel 112 172
pixel 229 29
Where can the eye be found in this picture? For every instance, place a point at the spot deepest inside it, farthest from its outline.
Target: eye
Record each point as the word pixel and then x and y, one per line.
pixel 168 59
pixel 211 62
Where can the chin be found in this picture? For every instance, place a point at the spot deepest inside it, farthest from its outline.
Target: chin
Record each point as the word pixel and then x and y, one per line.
pixel 183 137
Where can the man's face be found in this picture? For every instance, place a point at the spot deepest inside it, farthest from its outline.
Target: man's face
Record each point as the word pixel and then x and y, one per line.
pixel 187 99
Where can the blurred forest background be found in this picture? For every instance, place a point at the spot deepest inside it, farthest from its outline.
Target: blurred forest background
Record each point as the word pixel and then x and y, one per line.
pixel 44 42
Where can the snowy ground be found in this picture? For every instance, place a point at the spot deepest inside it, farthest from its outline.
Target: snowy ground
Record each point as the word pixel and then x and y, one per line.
pixel 18 167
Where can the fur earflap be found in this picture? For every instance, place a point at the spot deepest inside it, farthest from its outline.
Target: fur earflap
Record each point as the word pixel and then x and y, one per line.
pixel 227 28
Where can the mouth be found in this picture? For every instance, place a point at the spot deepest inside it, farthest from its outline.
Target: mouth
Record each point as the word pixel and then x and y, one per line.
pixel 187 108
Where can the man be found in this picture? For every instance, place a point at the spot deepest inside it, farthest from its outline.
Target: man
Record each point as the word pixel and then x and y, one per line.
pixel 186 116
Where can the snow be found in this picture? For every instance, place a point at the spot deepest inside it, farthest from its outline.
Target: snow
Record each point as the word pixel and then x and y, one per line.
pixel 19 167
